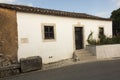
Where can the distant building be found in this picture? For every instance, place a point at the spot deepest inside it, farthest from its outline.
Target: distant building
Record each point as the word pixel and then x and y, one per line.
pixel 52 34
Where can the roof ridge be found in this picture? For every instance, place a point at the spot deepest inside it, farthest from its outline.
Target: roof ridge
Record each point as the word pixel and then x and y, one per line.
pixel 30 9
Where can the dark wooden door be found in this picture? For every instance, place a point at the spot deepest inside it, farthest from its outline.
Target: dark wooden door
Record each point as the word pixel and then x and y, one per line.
pixel 79 37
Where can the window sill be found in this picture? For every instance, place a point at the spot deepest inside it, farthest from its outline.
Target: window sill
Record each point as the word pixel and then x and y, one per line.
pixel 49 40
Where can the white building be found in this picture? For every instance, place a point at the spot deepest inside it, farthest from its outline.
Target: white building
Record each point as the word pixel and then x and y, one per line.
pixel 54 35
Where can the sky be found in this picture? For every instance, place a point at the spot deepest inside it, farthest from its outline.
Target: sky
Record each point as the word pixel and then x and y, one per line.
pixel 102 8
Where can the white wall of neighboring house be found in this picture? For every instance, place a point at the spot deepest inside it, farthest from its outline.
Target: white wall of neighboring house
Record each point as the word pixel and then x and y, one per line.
pixel 30 29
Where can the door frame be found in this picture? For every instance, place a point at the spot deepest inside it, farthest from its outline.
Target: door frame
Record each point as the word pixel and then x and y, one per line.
pixel 74 45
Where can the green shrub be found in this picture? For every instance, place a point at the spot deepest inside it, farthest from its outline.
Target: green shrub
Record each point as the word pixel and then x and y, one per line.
pixel 116 39
pixel 90 39
pixel 103 40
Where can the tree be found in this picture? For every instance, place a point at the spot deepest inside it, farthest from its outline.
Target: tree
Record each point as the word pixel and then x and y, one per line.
pixel 116 22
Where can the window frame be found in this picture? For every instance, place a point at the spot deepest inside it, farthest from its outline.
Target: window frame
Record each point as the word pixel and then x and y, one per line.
pixel 43 31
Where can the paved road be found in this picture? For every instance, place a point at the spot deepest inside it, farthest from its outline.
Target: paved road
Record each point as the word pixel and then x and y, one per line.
pixel 103 70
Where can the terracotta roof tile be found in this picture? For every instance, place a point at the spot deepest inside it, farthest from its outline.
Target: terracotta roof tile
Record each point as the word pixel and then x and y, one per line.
pixel 29 9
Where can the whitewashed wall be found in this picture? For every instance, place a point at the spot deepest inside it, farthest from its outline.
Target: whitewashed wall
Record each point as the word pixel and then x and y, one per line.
pixel 104 51
pixel 108 51
pixel 29 27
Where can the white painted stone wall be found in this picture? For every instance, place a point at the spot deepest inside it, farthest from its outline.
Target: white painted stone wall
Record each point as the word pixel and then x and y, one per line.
pixel 108 51
pixel 29 30
pixel 91 49
pixel 105 51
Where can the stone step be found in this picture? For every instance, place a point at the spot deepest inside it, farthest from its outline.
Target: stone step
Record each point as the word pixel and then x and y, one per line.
pixel 82 51
pixel 84 55
pixel 87 58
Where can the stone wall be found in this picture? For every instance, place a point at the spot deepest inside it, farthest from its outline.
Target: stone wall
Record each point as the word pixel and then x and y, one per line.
pixel 10 70
pixel 8 33
pixel 91 49
pixel 26 65
pixel 105 51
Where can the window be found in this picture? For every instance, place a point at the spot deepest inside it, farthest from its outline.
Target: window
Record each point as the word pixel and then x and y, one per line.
pixel 101 31
pixel 48 32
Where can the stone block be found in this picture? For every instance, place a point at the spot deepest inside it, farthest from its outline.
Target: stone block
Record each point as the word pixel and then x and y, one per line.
pixel 31 63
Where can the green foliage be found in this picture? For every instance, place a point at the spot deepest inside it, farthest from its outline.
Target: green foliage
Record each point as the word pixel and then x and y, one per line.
pixel 103 40
pixel 116 39
pixel 116 21
pixel 116 17
pixel 90 39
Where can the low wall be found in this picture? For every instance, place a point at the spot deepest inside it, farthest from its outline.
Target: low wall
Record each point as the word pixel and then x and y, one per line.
pixel 105 51
pixel 91 49
pixel 10 70
pixel 26 65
